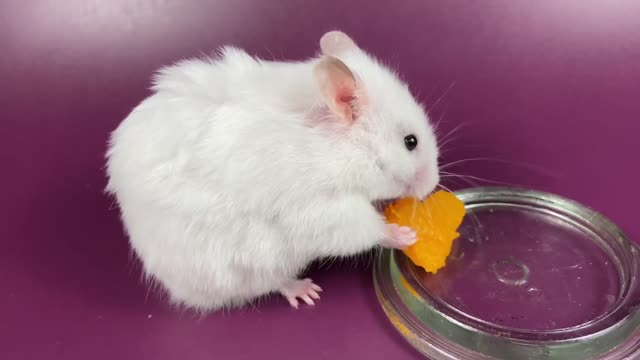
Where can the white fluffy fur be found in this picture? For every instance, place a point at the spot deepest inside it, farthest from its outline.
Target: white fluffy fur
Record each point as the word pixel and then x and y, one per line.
pixel 233 175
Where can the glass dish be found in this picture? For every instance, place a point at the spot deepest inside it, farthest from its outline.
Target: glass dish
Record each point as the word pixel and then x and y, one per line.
pixel 532 276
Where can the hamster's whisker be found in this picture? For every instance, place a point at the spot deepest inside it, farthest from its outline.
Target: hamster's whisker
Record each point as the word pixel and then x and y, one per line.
pixel 536 168
pixel 444 188
pixel 443 95
pixel 442 150
pixel 453 163
pixel 468 177
pixel 445 138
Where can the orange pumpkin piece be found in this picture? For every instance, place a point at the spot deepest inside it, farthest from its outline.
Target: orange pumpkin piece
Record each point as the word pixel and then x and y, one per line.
pixel 435 221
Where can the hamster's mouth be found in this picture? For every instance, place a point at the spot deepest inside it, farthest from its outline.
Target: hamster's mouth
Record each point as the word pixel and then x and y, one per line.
pixel 406 191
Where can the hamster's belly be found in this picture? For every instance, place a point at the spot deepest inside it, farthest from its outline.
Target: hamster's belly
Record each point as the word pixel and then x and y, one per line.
pixel 216 256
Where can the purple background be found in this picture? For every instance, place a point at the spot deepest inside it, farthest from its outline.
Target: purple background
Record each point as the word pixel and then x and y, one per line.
pixel 547 89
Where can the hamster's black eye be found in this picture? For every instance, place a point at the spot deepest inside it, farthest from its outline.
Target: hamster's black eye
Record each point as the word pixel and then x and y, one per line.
pixel 410 141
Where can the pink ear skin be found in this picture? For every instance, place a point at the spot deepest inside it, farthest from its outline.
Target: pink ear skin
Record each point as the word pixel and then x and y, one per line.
pixel 334 43
pixel 338 87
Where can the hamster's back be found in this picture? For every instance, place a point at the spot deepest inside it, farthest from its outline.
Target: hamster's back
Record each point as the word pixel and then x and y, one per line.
pixel 214 121
pixel 202 167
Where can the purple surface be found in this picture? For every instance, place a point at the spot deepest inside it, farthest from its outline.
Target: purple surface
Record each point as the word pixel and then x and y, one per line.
pixel 550 85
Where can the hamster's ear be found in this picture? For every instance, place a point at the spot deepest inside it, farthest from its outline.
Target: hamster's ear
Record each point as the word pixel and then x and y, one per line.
pixel 334 43
pixel 338 87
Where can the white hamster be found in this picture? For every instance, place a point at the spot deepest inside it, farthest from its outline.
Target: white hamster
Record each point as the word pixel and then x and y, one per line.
pixel 237 172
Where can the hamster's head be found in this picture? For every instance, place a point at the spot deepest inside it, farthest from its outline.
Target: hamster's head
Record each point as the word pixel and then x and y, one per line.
pixel 391 145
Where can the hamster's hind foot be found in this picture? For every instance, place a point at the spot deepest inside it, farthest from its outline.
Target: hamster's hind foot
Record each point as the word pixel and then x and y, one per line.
pixel 304 290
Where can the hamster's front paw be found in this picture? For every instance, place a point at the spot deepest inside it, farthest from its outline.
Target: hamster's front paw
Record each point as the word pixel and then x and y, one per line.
pixel 303 289
pixel 398 237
